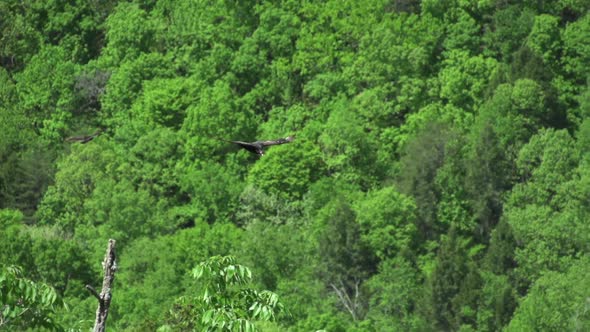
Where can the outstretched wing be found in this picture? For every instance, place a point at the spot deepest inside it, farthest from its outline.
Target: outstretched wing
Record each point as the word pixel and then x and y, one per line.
pixel 252 147
pixel 258 146
pixel 81 139
pixel 84 138
pixel 288 139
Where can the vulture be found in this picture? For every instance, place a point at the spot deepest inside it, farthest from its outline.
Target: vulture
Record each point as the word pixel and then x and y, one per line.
pixel 83 139
pixel 258 146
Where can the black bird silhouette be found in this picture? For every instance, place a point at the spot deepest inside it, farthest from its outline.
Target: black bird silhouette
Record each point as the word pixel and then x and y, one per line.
pixel 258 146
pixel 83 139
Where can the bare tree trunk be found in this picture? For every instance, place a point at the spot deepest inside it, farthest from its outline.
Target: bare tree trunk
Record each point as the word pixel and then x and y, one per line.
pixel 109 266
pixel 352 305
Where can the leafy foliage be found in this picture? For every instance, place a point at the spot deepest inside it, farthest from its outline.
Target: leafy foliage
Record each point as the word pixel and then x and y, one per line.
pixel 227 304
pixel 438 180
pixel 26 304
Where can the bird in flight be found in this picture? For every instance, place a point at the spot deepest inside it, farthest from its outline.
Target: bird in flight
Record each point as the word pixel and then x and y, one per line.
pixel 258 146
pixel 83 139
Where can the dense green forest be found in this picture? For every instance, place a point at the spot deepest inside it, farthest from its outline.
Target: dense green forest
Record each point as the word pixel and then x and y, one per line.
pixel 439 179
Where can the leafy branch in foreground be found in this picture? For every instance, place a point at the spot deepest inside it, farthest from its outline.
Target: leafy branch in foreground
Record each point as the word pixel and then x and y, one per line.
pixel 25 303
pixel 227 303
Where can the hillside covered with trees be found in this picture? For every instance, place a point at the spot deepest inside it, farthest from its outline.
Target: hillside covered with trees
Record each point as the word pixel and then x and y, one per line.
pixel 439 179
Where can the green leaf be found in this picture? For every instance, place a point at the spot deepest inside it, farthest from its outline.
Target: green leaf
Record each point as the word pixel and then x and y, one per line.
pixel 208 316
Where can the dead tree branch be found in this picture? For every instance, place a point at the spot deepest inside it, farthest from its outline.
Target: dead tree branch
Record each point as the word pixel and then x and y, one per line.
pixel 352 305
pixel 93 292
pixel 109 266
